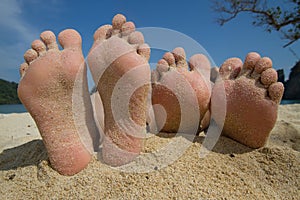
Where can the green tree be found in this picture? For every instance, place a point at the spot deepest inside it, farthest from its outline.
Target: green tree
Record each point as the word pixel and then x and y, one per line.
pixel 272 18
pixel 8 92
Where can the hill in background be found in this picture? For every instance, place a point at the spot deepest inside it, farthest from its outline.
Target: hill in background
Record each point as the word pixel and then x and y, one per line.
pixel 292 85
pixel 8 92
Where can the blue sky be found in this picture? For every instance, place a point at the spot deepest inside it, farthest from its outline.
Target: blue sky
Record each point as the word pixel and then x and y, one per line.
pixel 21 21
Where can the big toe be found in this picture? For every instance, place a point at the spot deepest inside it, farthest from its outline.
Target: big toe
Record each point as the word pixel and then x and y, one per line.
pixel 251 60
pixel 70 38
pixel 201 64
pixel 231 68
pixel 180 57
pixel 102 33
pixel 118 21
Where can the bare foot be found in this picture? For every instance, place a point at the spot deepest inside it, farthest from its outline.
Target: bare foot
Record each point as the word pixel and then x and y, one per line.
pixel 54 90
pixel 119 64
pixel 252 98
pixel 180 90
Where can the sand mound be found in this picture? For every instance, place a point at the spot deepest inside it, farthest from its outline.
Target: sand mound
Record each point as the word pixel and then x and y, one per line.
pixel 229 171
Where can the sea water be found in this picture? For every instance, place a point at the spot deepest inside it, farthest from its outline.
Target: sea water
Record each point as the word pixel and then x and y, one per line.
pixel 12 108
pixel 19 108
pixel 285 102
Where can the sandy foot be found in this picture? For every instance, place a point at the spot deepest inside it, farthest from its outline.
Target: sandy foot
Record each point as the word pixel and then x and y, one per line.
pixel 252 97
pixel 183 95
pixel 118 62
pixel 54 90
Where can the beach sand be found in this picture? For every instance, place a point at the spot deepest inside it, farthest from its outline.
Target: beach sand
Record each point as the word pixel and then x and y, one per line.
pixel 229 171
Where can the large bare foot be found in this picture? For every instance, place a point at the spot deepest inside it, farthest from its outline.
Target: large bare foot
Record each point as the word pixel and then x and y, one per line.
pixel 252 98
pixel 181 91
pixel 54 90
pixel 119 64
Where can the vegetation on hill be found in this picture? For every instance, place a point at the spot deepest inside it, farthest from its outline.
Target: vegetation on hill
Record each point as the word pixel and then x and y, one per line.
pixel 8 92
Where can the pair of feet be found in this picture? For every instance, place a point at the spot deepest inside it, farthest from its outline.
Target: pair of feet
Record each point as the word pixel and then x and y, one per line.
pixel 54 90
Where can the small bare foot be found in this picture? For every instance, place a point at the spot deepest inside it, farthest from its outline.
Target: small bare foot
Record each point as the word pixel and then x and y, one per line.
pixel 54 90
pixel 181 91
pixel 119 64
pixel 252 98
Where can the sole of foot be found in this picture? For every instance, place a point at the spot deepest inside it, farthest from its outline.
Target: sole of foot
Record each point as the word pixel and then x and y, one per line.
pixel 53 88
pixel 178 89
pixel 252 97
pixel 118 61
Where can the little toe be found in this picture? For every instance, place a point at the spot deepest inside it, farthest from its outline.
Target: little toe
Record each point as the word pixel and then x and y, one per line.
pixel 231 68
pixel 199 61
pixel 69 39
pixel 102 33
pixel 268 77
pixel 276 91
pixel 180 57
pixel 127 28
pixel 39 47
pixel 169 57
pixel 49 39
pixel 144 50
pixel 30 55
pixel 136 38
pixel 23 68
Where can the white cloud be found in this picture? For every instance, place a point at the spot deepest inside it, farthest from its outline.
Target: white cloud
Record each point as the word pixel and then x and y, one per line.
pixel 12 21
pixel 16 33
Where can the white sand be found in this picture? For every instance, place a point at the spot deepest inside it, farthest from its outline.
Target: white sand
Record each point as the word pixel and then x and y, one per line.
pixel 17 129
pixel 230 171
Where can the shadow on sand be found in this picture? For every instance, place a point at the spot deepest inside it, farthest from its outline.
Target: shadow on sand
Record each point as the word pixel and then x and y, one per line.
pixel 224 144
pixel 28 154
pixel 33 152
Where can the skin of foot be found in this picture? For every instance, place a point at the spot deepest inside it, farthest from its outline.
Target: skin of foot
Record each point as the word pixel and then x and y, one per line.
pixel 98 114
pixel 53 88
pixel 118 61
pixel 252 97
pixel 175 79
